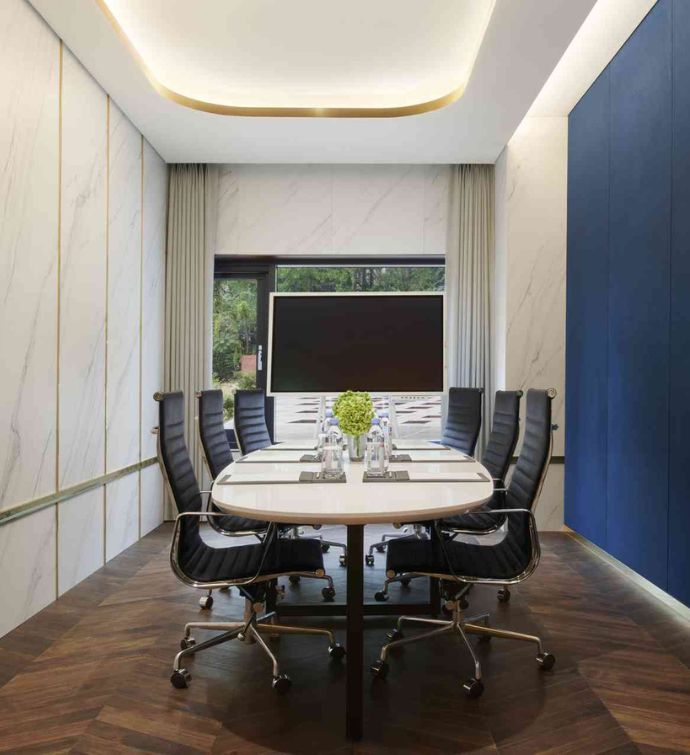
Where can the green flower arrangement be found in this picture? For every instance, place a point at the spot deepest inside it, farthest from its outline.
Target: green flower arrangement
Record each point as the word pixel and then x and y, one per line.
pixel 355 410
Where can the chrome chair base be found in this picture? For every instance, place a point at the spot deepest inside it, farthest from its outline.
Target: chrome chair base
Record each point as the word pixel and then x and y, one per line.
pixel 250 630
pixel 463 626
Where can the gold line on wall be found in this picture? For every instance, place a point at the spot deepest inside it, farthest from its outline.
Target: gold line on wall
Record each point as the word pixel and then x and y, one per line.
pixel 141 312
pixel 107 290
pixel 57 350
pixel 278 112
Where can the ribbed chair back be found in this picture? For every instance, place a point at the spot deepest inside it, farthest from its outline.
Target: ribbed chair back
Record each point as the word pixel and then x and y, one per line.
pixel 177 464
pixel 463 419
pixel 250 421
pixel 530 470
pixel 505 429
pixel 214 440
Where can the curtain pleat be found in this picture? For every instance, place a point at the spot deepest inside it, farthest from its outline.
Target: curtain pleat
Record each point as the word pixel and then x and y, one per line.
pixel 192 203
pixel 468 283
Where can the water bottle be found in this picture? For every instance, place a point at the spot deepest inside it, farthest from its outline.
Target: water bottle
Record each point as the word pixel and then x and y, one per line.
pixel 332 458
pixel 386 429
pixel 376 450
pixel 323 431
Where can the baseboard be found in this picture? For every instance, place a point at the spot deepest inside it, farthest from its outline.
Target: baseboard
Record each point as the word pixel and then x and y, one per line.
pixel 680 608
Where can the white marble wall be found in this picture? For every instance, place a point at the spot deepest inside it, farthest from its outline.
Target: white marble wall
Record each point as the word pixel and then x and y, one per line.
pixel 28 254
pixel 153 299
pixel 121 515
pixel 80 538
pixel 81 439
pixel 333 209
pixel 27 566
pixel 124 291
pixel 531 209
pixel 106 341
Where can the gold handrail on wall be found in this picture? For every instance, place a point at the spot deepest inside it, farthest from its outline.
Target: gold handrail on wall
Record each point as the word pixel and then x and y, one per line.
pixel 37 504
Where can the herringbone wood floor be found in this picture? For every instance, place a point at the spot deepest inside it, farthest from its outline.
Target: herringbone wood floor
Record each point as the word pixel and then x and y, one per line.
pixel 89 674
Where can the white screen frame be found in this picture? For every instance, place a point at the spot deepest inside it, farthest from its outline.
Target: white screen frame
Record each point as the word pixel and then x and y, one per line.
pixel 269 366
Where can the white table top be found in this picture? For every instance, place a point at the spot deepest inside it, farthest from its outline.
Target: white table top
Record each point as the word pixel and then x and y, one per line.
pixel 354 501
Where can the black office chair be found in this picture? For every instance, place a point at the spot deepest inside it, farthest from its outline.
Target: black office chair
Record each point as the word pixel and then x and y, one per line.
pixel 252 434
pixel 461 432
pixel 463 419
pixel 217 455
pixel 511 560
pixel 497 456
pixel 252 568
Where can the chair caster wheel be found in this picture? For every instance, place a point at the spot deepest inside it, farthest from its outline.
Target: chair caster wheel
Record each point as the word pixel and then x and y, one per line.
pixel 206 602
pixel 380 596
pixel 343 560
pixel 503 595
pixel 473 687
pixel 369 560
pixel 180 678
pixel 546 661
pixel 405 582
pixel 447 612
pixel 281 683
pixel 464 603
pixel 325 547
pixel 379 669
pixel 336 651
pixel 395 635
pixel 380 548
pixel 328 594
pixel 187 642
pixel 294 579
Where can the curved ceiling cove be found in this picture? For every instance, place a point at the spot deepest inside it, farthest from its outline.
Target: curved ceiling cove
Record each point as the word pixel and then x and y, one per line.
pixel 304 58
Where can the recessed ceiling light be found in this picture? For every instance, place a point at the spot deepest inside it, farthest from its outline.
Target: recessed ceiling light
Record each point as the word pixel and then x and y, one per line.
pixel 360 58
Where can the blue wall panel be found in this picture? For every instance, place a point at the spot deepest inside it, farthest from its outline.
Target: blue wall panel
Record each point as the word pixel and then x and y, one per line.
pixel 639 298
pixel 587 313
pixel 679 469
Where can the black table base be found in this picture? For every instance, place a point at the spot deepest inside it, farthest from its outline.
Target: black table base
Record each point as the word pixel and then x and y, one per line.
pixel 355 610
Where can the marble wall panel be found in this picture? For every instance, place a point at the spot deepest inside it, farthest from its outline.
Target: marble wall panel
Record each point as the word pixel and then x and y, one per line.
pixel 153 299
pixel 82 276
pixel 121 515
pixel 80 538
pixel 151 498
pixel 124 291
pixel 29 66
pixel 28 564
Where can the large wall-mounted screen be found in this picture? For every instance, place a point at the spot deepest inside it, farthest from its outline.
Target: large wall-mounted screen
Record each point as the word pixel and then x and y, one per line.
pixel 382 343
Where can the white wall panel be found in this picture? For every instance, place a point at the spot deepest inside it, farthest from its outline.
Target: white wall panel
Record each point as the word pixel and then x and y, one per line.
pixel 121 515
pixel 82 276
pixel 27 565
pixel 29 64
pixel 80 538
pixel 124 291
pixel 152 500
pixel 330 209
pixel 153 300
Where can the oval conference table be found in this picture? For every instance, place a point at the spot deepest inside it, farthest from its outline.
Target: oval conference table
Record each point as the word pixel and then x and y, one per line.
pixel 265 485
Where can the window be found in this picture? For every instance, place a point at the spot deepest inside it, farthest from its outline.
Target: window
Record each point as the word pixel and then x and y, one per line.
pixel 240 323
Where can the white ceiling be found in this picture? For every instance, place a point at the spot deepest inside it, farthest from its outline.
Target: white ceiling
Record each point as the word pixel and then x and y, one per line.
pixel 523 42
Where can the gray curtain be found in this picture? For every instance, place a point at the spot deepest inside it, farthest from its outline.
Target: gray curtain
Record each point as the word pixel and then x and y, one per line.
pixel 192 208
pixel 469 262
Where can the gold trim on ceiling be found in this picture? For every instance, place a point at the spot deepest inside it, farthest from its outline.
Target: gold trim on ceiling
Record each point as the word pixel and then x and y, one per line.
pixel 276 112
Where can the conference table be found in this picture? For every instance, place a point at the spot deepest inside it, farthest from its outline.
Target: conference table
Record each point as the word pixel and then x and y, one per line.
pixel 265 485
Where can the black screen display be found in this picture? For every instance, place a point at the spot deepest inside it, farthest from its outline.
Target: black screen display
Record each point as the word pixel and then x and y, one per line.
pixel 383 344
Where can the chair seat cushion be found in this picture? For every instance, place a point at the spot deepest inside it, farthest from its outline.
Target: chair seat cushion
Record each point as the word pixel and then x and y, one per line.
pixel 207 564
pixel 477 522
pixel 233 523
pixel 505 560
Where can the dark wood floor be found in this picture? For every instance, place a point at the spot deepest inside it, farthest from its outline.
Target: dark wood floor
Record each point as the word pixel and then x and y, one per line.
pixel 89 674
